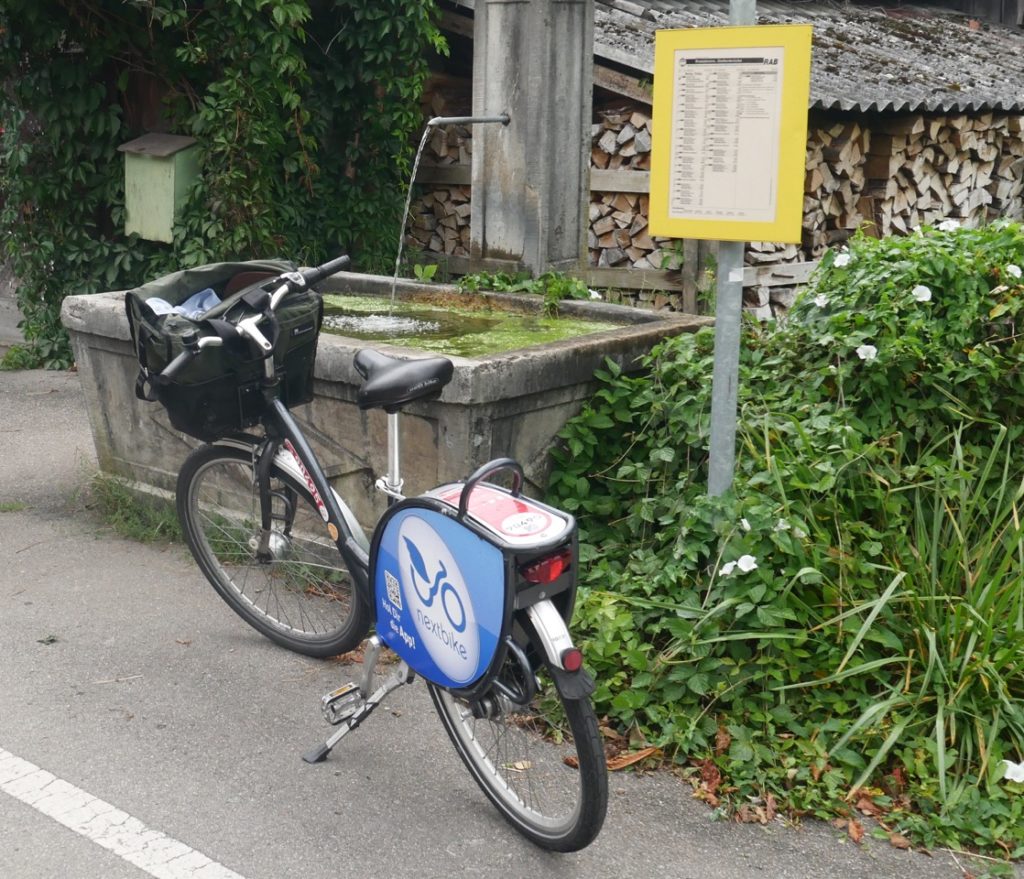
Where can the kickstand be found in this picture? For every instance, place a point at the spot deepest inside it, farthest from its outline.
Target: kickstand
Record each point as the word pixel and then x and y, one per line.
pixel 356 707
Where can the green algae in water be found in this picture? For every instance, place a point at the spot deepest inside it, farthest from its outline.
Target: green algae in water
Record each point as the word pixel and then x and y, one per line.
pixel 458 331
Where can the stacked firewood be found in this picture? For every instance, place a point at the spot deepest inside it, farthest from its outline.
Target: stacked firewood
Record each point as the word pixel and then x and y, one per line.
pixel 888 179
pixel 908 172
pixel 834 202
pixel 439 221
pixel 618 236
pixel 439 218
pixel 449 145
pixel 621 140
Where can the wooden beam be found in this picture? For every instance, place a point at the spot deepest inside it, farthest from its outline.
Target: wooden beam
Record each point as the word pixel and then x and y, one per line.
pixel 445 175
pixel 624 57
pixel 600 181
pixel 786 274
pixel 630 279
pixel 619 181
pixel 782 275
pixel 454 23
pixel 623 84
pixel 465 265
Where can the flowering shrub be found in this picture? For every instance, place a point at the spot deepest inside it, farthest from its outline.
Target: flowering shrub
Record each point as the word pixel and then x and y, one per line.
pixel 843 633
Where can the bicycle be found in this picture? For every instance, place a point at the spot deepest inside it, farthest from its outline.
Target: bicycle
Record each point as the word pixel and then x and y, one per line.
pixel 470 585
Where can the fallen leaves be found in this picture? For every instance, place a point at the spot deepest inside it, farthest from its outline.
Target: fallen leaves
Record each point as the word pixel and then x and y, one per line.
pixel 619 761
pixel 624 760
pixel 854 829
pixel 761 812
pixel 897 840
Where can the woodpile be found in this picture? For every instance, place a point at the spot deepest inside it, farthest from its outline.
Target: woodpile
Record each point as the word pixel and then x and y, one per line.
pixel 618 236
pixel 886 176
pixel 439 217
pixel 908 172
pixel 449 145
pixel 439 221
pixel 621 140
pixel 834 186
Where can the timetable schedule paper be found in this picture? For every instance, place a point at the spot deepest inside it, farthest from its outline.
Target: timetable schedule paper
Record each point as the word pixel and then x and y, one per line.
pixel 726 110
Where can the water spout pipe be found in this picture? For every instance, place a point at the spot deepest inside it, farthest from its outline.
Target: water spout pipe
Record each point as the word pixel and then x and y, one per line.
pixel 504 119
pixel 433 123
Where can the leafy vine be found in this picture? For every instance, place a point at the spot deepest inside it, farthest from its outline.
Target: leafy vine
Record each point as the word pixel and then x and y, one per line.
pixel 303 111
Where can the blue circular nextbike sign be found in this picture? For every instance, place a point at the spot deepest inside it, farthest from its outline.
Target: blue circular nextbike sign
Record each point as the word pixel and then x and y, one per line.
pixel 440 596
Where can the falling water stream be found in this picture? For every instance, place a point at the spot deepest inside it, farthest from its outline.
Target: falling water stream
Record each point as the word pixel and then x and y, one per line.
pixel 431 125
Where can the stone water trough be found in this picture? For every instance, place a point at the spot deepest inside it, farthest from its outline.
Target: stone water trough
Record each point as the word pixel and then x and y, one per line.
pixel 511 403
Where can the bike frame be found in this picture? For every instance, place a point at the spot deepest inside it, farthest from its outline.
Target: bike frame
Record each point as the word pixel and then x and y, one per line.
pixel 286 447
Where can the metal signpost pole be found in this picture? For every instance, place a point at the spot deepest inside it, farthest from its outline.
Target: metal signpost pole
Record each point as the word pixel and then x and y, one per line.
pixel 728 318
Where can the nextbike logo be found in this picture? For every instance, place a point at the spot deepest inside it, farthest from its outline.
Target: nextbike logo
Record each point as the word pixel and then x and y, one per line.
pixel 438 599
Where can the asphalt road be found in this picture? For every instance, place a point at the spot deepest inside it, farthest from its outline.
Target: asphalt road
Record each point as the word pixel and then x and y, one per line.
pixel 144 730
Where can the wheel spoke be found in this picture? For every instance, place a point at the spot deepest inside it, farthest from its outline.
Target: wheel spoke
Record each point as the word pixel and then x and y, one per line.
pixel 301 594
pixel 525 770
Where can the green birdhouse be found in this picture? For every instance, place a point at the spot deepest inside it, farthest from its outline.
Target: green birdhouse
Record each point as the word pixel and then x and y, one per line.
pixel 158 170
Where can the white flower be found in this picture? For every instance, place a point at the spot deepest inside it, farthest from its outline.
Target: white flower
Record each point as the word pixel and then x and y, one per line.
pixel 746 563
pixel 867 352
pixel 949 225
pixel 594 294
pixel 799 533
pixel 922 293
pixel 821 300
pixel 744 524
pixel 1013 271
pixel 781 525
pixel 1014 771
pixel 842 259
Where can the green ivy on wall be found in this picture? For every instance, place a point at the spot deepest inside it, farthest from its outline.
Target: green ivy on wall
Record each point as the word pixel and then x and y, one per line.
pixel 304 111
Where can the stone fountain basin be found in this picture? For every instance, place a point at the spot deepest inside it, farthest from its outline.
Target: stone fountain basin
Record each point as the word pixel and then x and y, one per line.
pixel 512 403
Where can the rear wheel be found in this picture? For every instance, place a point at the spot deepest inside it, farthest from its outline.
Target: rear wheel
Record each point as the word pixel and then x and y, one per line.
pixel 541 764
pixel 299 593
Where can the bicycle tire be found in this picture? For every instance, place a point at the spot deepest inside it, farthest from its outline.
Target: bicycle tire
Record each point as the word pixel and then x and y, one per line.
pixel 302 598
pixel 522 758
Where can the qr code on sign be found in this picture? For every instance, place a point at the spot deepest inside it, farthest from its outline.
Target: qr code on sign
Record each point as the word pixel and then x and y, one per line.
pixel 394 591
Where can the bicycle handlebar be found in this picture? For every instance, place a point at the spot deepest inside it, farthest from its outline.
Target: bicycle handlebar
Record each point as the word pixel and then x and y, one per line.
pixel 292 283
pixel 314 276
pixel 295 281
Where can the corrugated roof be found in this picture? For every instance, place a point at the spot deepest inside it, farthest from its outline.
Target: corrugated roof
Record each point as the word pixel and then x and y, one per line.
pixel 865 58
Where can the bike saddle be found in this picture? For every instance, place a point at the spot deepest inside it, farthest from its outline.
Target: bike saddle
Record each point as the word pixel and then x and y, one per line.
pixel 389 383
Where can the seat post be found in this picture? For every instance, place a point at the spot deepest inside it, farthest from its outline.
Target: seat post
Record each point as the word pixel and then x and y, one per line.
pixel 391 483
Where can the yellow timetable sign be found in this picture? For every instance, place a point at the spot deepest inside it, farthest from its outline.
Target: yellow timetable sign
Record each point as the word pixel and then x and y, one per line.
pixel 730 132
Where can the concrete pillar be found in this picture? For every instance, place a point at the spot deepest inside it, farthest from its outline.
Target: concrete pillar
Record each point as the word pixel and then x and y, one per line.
pixel 534 60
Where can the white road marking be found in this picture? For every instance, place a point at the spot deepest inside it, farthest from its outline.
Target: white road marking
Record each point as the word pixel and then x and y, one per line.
pixel 106 825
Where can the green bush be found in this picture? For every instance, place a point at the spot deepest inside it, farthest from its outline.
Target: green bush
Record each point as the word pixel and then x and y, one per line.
pixel 303 112
pixel 845 628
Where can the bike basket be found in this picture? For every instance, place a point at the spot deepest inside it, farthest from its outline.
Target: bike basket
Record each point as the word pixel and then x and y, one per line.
pixel 446 587
pixel 220 391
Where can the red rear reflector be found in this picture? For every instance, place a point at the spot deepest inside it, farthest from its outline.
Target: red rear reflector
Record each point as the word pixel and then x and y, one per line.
pixel 547 570
pixel 572 659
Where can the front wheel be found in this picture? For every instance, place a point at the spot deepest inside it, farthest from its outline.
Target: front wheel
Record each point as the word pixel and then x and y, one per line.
pixel 297 592
pixel 541 764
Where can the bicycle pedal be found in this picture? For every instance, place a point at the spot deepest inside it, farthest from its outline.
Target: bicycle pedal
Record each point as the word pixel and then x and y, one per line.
pixel 341 704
